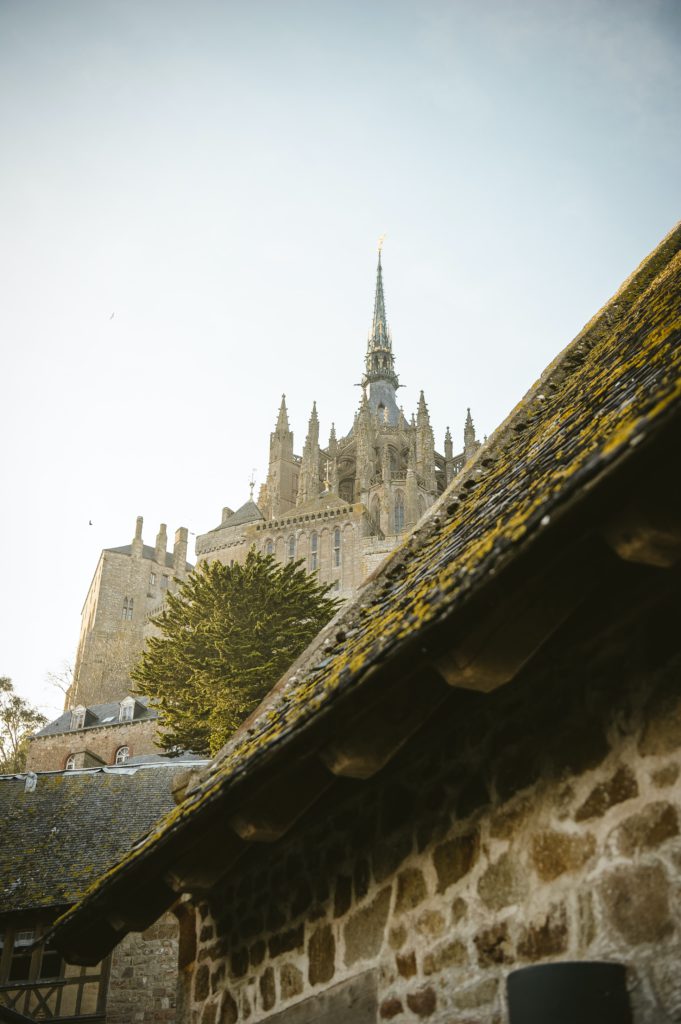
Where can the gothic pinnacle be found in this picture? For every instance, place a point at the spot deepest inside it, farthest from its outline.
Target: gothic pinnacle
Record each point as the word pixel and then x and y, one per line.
pixel 282 419
pixel 379 360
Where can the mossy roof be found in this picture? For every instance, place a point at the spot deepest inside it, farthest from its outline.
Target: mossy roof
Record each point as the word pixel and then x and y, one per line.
pixel 618 381
pixel 56 840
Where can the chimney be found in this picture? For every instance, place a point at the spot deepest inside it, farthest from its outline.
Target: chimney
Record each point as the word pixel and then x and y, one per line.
pixel 137 544
pixel 161 544
pixel 226 513
pixel 180 551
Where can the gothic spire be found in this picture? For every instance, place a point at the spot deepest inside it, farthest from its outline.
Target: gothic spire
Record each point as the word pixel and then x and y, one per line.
pixel 282 426
pixel 379 360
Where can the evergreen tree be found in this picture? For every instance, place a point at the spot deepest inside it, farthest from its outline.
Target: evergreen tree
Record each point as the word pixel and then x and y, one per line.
pixel 226 637
pixel 18 720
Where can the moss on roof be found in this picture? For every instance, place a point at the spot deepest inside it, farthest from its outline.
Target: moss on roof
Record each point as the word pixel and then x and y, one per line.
pixel 619 379
pixel 56 840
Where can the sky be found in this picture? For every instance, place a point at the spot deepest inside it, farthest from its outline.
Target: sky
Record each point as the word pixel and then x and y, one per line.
pixel 191 194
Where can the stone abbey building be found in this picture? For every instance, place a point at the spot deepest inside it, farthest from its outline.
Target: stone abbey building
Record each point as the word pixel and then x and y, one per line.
pixel 341 508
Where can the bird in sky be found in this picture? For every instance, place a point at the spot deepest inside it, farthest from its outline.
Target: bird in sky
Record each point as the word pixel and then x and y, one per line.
pixel 112 315
pixel 90 523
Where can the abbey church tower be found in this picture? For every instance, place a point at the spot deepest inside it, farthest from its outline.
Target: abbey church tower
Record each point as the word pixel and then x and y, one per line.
pixel 343 506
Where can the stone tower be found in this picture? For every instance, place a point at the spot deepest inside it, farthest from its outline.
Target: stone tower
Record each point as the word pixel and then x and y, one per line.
pixel 344 507
pixel 129 587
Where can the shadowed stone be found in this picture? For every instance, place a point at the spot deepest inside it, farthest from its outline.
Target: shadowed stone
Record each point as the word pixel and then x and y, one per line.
pixel 397 936
pixel 662 732
pixel 422 1002
pixel 411 889
pixel 622 786
pixel 321 952
pixel 636 902
pixel 665 776
pixel 365 929
pixel 455 858
pixel 208 1014
pixel 406 964
pixel 459 910
pixel 555 853
pixel 494 946
pixel 503 883
pixel 648 829
pixel 290 981
pixel 267 989
pixel 446 956
pixel 201 984
pixel 229 1013
pixel 545 937
pixel 390 1008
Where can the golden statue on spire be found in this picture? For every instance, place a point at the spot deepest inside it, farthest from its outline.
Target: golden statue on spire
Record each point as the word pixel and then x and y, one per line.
pixel 380 243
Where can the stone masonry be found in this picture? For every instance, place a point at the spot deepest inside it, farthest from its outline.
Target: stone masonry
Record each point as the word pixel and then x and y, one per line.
pixel 50 753
pixel 143 976
pixel 539 822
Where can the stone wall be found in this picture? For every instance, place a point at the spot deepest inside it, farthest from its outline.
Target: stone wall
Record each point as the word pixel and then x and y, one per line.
pixel 540 822
pixel 49 753
pixel 143 979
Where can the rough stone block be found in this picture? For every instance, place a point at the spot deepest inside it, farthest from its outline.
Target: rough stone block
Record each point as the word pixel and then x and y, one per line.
pixel 390 1007
pixel 555 853
pixel 229 1012
pixel 449 955
pixel 666 775
pixel 201 983
pixel 406 964
pixel 480 994
pixel 423 1002
pixel 503 883
pixel 430 923
pixel 619 787
pixel 648 829
pixel 364 931
pixel 494 946
pixel 290 981
pixel 397 936
pixel 636 903
pixel 545 937
pixel 321 952
pixel 454 859
pixel 411 889
pixel 268 992
pixel 343 896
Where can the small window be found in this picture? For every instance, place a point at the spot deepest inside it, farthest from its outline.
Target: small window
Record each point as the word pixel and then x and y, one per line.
pixel 20 965
pixel 127 710
pixel 337 546
pixel 152 579
pixel 51 963
pixel 127 609
pixel 122 755
pixel 78 718
pixel 70 763
pixel 269 547
pixel 314 545
pixel 399 512
pixel 292 548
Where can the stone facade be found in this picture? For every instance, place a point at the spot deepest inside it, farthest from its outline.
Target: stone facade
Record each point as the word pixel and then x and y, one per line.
pixel 92 746
pixel 143 976
pixel 344 506
pixel 540 822
pixel 128 588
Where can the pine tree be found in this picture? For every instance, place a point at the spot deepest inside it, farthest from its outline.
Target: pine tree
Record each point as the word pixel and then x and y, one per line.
pixel 226 637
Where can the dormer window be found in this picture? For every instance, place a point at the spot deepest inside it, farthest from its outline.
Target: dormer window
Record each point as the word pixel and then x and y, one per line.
pixel 78 718
pixel 122 755
pixel 127 710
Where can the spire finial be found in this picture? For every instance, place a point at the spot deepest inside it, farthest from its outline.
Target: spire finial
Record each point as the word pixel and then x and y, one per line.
pixel 379 360
pixel 251 482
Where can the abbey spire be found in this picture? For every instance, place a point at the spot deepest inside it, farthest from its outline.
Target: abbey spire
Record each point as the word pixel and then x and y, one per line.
pixel 379 362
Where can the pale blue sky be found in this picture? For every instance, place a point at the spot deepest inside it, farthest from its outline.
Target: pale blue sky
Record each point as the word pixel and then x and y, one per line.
pixel 216 174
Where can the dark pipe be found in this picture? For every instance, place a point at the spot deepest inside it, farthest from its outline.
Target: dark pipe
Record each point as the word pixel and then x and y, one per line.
pixel 568 993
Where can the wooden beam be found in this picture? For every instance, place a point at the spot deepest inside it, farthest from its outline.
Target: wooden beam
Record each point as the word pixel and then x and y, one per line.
pixel 516 622
pixel 646 532
pixel 271 811
pixel 206 861
pixel 138 908
pixel 373 737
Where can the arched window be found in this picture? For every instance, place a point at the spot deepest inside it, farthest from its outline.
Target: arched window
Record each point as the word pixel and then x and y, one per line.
pixel 292 548
pixel 127 609
pixel 399 512
pixel 70 763
pixel 337 546
pixel 122 755
pixel 314 548
pixel 269 547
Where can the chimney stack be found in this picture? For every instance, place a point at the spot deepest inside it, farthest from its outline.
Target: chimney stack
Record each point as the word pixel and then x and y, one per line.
pixel 137 544
pixel 161 544
pixel 180 551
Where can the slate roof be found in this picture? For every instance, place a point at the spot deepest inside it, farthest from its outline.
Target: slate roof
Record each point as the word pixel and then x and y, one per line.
pixel 614 389
pixel 248 513
pixel 147 552
pixel 104 714
pixel 56 840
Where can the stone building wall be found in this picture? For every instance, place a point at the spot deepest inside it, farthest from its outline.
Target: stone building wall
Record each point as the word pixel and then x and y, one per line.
pixel 540 822
pixel 49 753
pixel 143 979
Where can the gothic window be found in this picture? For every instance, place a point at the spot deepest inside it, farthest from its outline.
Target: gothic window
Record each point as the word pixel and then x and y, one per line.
pixel 337 546
pixel 70 763
pixel 292 548
pixel 269 547
pixel 314 547
pixel 127 710
pixel 127 609
pixel 152 579
pixel 78 718
pixel 122 755
pixel 399 512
